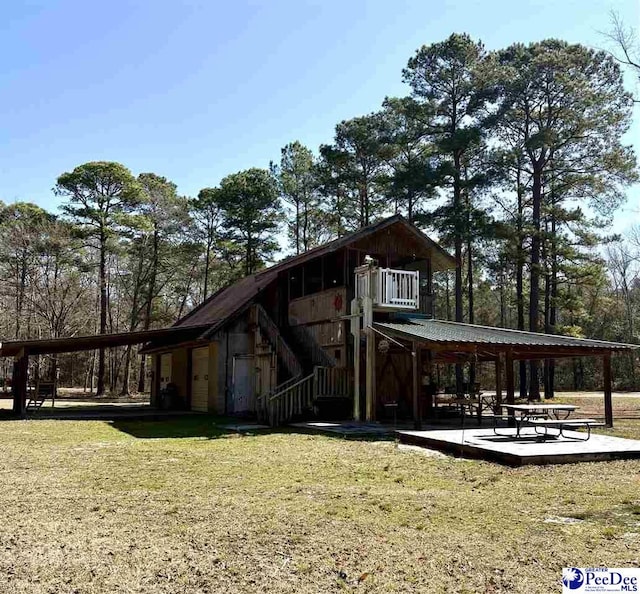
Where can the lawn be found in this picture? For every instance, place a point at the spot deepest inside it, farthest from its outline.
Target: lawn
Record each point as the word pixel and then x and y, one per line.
pixel 177 506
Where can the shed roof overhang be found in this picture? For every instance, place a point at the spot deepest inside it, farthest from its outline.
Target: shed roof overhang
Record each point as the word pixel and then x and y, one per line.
pixel 73 344
pixel 451 341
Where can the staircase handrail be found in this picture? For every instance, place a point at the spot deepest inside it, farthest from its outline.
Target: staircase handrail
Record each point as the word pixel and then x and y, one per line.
pixel 293 397
pixel 291 401
pixel 319 356
pixel 283 350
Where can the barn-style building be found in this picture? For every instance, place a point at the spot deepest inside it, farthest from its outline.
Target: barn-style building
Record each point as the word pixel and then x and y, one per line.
pixel 345 330
pixel 290 322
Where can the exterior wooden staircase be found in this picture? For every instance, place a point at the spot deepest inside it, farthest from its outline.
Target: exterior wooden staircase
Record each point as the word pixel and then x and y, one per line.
pixel 300 396
pixel 319 380
pixel 284 353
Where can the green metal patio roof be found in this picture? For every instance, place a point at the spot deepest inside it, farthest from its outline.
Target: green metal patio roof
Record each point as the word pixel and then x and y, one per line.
pixel 441 332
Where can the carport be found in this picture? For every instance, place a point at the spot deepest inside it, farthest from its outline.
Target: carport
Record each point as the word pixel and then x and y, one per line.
pixel 21 350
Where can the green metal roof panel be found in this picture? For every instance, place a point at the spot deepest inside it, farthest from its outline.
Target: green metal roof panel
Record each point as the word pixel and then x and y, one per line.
pixel 441 331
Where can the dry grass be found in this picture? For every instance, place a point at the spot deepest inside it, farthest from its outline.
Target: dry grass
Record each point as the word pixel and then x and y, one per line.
pixel 177 506
pixel 624 407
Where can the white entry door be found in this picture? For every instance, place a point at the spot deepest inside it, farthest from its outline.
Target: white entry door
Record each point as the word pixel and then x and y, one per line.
pixel 165 370
pixel 200 379
pixel 243 383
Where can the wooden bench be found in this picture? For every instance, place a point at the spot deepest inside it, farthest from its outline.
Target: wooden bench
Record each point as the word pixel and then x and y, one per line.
pixel 561 424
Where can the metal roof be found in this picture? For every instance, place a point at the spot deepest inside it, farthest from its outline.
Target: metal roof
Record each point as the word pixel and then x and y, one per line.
pixel 444 332
pixel 84 343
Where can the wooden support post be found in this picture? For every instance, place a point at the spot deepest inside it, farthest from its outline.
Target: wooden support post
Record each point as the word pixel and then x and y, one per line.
pixel 511 398
pixel 371 375
pixel 608 405
pixel 511 395
pixel 19 382
pixel 416 372
pixel 355 332
pixel 432 384
pixel 370 363
pixel 498 383
pixel 356 376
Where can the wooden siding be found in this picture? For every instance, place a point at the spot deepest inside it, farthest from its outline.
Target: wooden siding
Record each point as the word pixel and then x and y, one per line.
pixel 393 382
pixel 318 307
pixel 328 334
pixel 318 312
pixel 393 244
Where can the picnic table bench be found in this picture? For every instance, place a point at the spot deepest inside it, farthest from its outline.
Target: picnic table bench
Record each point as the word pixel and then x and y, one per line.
pixel 561 424
pixel 475 405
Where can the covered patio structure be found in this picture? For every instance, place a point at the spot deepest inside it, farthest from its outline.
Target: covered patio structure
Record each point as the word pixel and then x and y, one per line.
pixel 21 350
pixel 436 341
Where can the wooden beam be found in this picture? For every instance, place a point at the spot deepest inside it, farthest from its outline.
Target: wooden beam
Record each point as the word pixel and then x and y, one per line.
pixel 416 367
pixel 608 404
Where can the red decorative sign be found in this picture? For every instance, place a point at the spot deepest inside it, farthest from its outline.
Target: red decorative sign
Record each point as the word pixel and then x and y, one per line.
pixel 337 302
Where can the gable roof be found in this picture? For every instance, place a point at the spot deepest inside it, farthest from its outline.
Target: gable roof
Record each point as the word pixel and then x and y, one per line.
pixel 231 299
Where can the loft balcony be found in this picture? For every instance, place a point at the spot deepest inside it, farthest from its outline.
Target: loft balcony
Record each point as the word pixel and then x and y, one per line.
pixel 388 288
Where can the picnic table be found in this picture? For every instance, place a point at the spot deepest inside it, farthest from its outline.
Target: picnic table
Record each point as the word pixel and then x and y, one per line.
pixel 546 416
pixel 479 402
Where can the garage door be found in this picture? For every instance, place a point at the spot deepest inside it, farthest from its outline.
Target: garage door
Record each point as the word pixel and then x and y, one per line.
pixel 165 370
pixel 200 379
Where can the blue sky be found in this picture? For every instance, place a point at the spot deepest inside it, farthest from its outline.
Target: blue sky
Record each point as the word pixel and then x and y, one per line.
pixel 197 90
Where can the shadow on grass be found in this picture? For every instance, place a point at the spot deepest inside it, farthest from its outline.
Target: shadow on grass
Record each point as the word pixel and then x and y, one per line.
pixel 206 426
pixel 142 422
pixel 214 427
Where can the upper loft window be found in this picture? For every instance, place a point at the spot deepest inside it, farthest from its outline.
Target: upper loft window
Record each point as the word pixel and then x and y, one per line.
pixel 320 274
pixel 334 270
pixel 295 282
pixel 313 281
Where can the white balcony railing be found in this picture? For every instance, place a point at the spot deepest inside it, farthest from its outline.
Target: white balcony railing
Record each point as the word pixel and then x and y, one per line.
pixel 391 289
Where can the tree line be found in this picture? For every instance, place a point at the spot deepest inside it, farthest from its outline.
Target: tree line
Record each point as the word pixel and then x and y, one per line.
pixel 514 158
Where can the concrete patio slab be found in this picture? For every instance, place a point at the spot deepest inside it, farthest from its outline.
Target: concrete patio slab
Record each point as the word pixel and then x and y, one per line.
pixel 346 428
pixel 527 449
